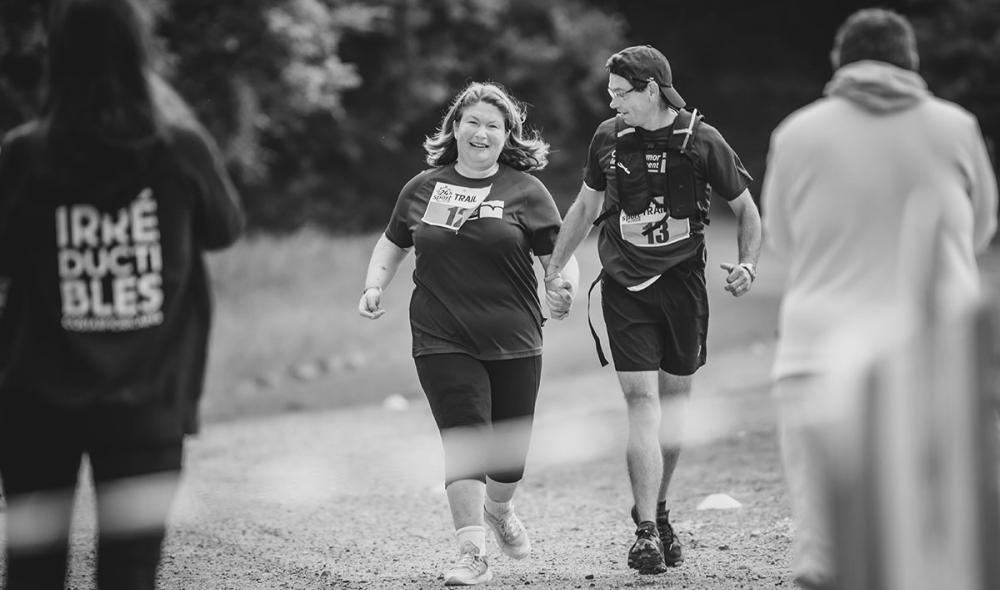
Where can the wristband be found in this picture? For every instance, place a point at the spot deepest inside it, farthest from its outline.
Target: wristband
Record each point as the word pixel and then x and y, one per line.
pixel 367 289
pixel 747 266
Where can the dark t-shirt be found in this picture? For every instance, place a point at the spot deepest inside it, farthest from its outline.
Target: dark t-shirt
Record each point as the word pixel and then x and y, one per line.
pixel 633 259
pixel 110 301
pixel 475 289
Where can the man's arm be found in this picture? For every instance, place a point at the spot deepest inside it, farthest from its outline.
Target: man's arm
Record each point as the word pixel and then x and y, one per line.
pixel 575 227
pixel 748 238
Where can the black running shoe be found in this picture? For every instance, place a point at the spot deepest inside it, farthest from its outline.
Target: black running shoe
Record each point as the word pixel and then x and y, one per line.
pixel 672 554
pixel 646 554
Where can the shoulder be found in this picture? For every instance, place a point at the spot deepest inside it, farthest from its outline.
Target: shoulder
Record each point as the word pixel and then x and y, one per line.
pixel 606 128
pixel 421 178
pixel 708 138
pixel 523 179
pixel 949 113
pixel 807 120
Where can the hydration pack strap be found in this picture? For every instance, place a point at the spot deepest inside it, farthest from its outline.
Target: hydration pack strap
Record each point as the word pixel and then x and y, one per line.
pixel 593 332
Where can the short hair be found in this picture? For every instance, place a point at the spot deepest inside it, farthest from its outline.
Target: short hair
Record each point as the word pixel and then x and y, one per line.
pixel 877 34
pixel 523 150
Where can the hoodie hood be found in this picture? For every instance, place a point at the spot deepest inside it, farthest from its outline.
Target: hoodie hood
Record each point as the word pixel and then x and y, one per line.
pixel 878 87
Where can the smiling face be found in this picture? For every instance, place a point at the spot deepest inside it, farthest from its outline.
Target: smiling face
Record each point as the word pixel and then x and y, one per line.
pixel 480 135
pixel 637 105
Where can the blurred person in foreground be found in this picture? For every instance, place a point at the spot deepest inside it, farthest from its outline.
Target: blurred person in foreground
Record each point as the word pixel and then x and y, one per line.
pixel 847 178
pixel 474 219
pixel 107 201
pixel 647 184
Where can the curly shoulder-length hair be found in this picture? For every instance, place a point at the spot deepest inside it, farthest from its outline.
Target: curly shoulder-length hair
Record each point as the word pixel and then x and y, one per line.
pixel 524 149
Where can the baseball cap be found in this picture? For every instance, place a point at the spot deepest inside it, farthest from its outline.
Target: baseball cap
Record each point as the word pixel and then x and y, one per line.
pixel 644 62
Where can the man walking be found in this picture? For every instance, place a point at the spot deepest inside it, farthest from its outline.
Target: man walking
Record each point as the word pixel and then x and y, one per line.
pixel 851 178
pixel 647 184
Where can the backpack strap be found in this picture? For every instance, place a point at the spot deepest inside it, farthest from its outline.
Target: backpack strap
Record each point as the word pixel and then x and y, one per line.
pixel 684 129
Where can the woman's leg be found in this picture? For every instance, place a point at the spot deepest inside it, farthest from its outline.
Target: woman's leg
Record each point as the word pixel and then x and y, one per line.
pixel 514 384
pixel 39 465
pixel 135 486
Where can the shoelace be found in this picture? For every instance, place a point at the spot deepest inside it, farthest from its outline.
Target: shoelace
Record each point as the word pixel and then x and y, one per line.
pixel 507 523
pixel 469 560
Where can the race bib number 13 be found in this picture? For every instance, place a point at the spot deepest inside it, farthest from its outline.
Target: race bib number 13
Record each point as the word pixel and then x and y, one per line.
pixel 451 205
pixel 656 234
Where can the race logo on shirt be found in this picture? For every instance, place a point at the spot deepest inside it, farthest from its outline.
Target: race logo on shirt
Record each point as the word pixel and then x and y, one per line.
pixel 645 230
pixel 451 205
pixel 493 209
pixel 110 266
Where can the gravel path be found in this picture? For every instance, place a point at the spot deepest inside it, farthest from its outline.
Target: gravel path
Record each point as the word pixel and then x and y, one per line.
pixel 353 499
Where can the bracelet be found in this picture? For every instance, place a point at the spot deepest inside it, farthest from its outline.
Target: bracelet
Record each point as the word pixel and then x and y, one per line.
pixel 367 289
pixel 747 266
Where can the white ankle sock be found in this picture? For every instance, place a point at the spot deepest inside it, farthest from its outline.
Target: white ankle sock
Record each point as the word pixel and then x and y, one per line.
pixel 474 533
pixel 496 489
pixel 498 508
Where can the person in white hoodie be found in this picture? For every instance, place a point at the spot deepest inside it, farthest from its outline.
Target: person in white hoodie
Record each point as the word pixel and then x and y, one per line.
pixel 851 179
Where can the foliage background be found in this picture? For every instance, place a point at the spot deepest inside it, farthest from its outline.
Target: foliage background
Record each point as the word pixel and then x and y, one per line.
pixel 321 105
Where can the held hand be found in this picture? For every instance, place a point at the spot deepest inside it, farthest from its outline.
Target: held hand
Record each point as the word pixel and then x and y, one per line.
pixel 739 279
pixel 370 305
pixel 559 295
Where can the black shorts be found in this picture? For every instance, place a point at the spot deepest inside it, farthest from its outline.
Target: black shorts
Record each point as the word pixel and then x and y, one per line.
pixel 663 326
pixel 470 397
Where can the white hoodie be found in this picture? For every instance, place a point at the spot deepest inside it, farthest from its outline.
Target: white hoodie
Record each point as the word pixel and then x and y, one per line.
pixel 858 183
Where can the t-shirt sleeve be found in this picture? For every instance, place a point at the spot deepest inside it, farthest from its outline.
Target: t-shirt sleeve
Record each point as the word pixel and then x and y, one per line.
pixel 542 219
pixel 593 174
pixel 398 229
pixel 723 168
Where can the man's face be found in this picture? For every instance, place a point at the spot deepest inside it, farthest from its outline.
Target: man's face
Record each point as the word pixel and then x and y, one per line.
pixel 636 104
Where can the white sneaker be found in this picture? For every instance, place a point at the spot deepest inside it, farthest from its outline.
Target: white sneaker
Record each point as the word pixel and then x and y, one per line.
pixel 510 534
pixel 470 569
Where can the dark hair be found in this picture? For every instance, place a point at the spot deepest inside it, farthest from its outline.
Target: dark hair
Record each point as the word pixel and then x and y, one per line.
pixel 98 72
pixel 523 150
pixel 877 34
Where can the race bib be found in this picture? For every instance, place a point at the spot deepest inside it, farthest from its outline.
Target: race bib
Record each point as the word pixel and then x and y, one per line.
pixel 670 232
pixel 451 205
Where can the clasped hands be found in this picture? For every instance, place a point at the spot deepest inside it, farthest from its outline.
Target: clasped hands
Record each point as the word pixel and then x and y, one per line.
pixel 559 295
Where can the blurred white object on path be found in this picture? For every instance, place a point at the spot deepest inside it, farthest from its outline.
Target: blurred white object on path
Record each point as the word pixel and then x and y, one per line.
pixel 395 403
pixel 719 502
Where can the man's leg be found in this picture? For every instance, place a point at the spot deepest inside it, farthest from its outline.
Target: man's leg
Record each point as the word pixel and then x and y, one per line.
pixel 674 393
pixel 645 463
pixel 812 554
pixel 645 467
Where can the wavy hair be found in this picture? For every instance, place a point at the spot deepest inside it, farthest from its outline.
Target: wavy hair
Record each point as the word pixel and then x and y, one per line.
pixel 524 149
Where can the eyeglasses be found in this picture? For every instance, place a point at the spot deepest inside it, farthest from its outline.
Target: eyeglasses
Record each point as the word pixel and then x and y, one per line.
pixel 637 85
pixel 619 92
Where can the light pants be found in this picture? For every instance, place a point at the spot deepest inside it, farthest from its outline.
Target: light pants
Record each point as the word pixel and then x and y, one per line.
pixel 802 455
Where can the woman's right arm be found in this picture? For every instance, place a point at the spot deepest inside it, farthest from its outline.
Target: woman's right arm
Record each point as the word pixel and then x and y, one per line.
pixel 385 261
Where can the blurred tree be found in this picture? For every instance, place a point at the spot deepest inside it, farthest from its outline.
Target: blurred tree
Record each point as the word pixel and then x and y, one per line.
pixel 321 105
pixel 324 103
pixel 959 42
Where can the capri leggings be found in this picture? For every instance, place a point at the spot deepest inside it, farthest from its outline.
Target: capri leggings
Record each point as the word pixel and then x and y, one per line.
pixel 484 410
